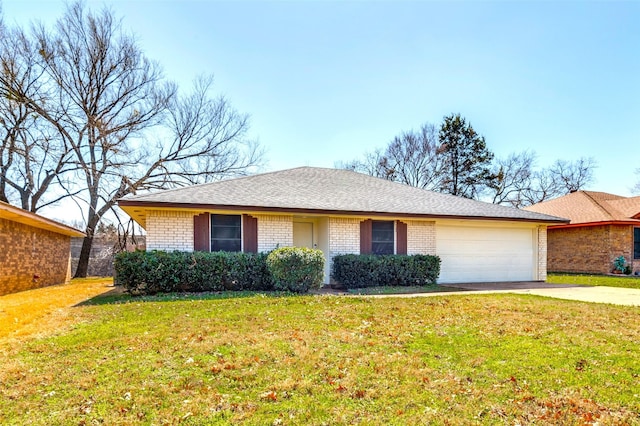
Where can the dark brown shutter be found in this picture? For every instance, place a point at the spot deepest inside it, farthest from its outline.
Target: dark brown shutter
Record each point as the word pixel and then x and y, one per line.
pixel 201 232
pixel 365 237
pixel 401 237
pixel 250 233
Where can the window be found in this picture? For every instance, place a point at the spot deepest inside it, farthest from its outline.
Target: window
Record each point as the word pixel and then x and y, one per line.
pixel 382 233
pixel 226 234
pixel 636 243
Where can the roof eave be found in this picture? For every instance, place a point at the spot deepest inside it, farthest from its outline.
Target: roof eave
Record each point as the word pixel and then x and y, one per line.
pixel 15 214
pixel 600 223
pixel 126 204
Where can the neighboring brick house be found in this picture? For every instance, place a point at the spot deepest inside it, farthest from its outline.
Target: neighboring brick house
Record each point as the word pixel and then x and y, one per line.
pixel 339 212
pixel 34 251
pixel 603 227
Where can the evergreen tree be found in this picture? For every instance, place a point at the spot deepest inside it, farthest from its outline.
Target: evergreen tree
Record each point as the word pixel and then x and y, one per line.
pixel 466 167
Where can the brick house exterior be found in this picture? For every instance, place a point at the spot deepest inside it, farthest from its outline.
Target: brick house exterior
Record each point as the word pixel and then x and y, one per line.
pixel 34 251
pixel 343 212
pixel 603 227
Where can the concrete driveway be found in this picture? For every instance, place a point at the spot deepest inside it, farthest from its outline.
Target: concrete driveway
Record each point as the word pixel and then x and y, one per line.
pixel 600 294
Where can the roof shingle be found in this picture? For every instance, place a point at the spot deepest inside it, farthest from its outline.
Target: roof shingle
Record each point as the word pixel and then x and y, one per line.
pixel 591 207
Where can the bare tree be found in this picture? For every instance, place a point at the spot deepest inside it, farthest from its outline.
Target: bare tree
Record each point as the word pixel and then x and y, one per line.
pixel 573 175
pixel 207 139
pixel 31 163
pixel 514 178
pixel 411 158
pixel 108 103
pixel 373 164
pixel 520 185
pixel 544 186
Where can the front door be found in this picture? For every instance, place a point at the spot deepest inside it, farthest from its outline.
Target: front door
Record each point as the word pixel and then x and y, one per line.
pixel 303 234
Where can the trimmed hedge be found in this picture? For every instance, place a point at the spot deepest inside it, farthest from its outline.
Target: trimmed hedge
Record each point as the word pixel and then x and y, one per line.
pixel 296 269
pixel 151 272
pixel 367 270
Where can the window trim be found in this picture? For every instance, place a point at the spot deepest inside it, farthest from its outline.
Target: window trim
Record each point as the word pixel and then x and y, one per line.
pixel 636 243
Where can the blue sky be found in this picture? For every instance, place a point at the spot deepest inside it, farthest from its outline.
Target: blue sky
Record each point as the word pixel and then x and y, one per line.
pixel 327 81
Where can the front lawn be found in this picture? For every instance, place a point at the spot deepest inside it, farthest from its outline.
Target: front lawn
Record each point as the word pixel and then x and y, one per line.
pixel 626 281
pixel 291 360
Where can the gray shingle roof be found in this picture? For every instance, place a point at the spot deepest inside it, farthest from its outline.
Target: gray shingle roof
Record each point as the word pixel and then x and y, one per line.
pixel 328 190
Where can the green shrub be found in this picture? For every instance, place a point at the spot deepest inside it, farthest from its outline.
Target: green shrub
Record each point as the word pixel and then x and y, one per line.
pixel 368 270
pixel 248 271
pixel 152 272
pixel 619 264
pixel 296 269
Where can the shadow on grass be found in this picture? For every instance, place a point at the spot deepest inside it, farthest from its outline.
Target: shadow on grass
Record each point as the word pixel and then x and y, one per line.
pixel 118 295
pixel 391 290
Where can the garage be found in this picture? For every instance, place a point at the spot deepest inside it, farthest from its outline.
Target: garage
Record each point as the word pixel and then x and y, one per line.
pixel 485 254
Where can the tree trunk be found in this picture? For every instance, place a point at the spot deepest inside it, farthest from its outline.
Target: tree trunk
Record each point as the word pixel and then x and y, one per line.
pixel 83 262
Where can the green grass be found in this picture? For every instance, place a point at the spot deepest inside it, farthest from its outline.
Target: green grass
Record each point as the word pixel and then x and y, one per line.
pixel 296 360
pixel 626 281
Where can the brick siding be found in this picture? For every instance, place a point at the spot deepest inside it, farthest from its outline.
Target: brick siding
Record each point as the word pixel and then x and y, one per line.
pixel 173 230
pixel 274 231
pixel 542 253
pixel 170 230
pixel 344 238
pixel 344 235
pixel 589 249
pixel 31 257
pixel 421 237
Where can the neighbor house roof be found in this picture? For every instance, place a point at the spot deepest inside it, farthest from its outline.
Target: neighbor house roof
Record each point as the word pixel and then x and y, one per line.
pixel 15 214
pixel 592 208
pixel 324 191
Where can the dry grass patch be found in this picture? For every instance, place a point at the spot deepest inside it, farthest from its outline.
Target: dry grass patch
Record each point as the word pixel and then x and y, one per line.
pixel 256 360
pixel 39 311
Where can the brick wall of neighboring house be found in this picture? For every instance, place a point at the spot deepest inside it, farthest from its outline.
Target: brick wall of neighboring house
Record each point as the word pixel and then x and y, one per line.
pixel 620 243
pixel 170 230
pixel 588 249
pixel 31 257
pixel 421 237
pixel 274 231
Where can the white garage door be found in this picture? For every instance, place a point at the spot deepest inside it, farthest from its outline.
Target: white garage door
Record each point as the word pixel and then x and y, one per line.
pixel 475 254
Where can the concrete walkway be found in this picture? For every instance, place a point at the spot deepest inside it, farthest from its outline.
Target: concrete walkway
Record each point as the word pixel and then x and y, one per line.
pixel 583 293
pixel 600 294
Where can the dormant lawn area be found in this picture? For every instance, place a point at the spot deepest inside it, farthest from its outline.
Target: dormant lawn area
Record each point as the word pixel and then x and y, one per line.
pixel 256 360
